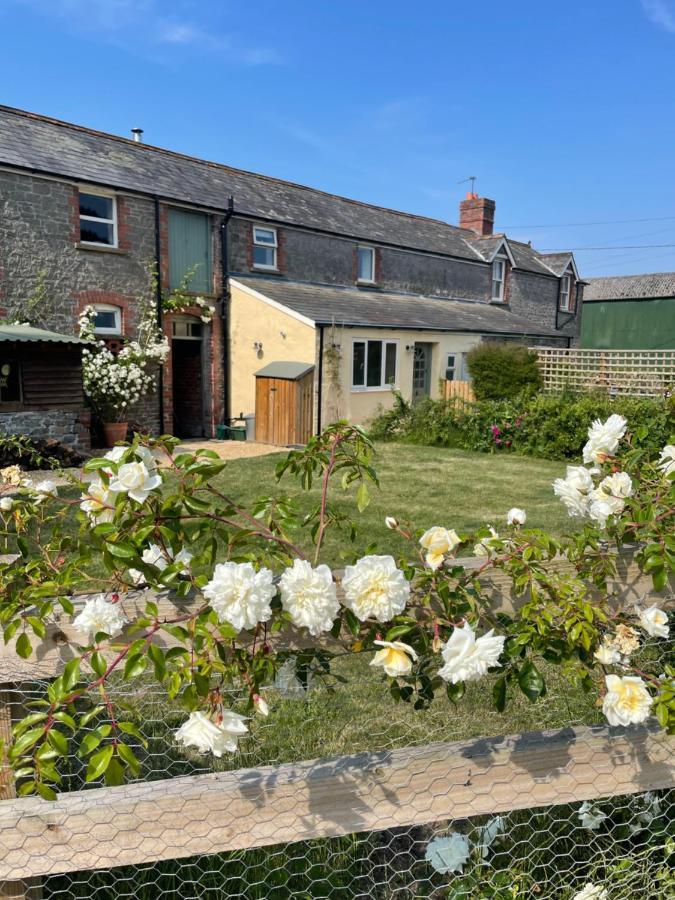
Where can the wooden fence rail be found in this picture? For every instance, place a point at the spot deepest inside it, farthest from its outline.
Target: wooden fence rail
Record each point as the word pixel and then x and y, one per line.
pixel 459 390
pixel 638 373
pixel 181 817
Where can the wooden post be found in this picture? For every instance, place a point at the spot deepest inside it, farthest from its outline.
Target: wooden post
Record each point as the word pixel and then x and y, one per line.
pixel 10 711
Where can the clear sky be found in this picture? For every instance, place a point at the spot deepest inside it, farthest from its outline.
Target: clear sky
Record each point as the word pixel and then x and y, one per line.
pixel 563 111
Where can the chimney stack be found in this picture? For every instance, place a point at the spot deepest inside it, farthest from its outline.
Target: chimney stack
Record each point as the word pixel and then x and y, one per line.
pixel 477 214
pixel 138 135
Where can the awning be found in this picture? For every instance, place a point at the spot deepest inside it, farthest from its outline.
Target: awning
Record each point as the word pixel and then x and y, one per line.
pixel 29 334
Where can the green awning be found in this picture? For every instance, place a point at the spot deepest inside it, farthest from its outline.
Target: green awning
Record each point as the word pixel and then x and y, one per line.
pixel 29 334
pixel 291 371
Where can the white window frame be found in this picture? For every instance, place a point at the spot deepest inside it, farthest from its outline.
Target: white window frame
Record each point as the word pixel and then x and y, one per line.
pixel 268 246
pixel 565 293
pixel 371 250
pixel 457 368
pixel 383 385
pixel 109 195
pixel 107 307
pixel 496 263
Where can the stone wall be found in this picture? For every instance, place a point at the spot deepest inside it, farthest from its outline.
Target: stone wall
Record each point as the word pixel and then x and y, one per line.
pixel 69 426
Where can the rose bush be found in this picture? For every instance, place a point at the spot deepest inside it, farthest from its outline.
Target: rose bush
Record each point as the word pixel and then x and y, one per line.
pixel 246 593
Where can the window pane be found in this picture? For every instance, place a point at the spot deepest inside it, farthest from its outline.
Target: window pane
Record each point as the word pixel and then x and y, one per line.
pixel 358 364
pixel 450 368
pixel 264 256
pixel 366 267
pixel 10 382
pixel 105 318
pixel 92 205
pixel 390 364
pixel 264 236
pixel 374 373
pixel 96 232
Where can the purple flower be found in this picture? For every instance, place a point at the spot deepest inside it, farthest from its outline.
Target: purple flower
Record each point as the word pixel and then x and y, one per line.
pixel 496 431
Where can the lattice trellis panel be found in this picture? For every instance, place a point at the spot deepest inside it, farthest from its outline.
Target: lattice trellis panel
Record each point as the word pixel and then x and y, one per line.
pixel 636 373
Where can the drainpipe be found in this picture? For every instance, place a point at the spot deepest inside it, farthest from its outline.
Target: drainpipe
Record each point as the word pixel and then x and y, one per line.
pixel 320 386
pixel 158 273
pixel 225 307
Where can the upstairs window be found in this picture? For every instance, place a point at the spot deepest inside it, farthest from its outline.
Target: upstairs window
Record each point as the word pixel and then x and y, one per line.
pixel 190 251
pixel 373 365
pixel 498 279
pixel 265 246
pixel 366 267
pixel 98 219
pixel 565 285
pixel 107 319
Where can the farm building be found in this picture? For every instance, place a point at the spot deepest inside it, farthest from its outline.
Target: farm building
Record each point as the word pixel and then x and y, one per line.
pixel 630 312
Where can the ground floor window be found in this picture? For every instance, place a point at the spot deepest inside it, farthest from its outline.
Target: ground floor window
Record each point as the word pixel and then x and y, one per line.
pixel 10 381
pixel 373 364
pixel 456 368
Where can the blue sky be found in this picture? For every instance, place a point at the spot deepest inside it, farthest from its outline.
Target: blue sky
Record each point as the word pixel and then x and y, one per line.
pixel 564 112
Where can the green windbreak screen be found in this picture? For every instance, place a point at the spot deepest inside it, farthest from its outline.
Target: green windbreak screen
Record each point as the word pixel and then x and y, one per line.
pixel 189 250
pixel 629 325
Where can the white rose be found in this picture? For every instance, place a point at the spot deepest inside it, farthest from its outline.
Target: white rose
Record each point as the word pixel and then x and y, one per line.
pixel 590 816
pixel 135 479
pixel 516 516
pixel 391 522
pixel 309 596
pixel 240 595
pixel 591 892
pixel 601 510
pixel 98 502
pixel 203 733
pixel 100 614
pixel 6 504
pixel 627 701
pixel 654 621
pixel 261 705
pixel 438 541
pixel 603 438
pixel 395 657
pixel 375 589
pixel 448 854
pixel 467 657
pixel 485 547
pixel 667 459
pixel 44 489
pixel 607 654
pixel 618 484
pixel 579 477
pixel 574 500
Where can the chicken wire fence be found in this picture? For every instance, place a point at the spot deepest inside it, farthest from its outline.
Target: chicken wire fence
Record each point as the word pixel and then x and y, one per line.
pixel 395 803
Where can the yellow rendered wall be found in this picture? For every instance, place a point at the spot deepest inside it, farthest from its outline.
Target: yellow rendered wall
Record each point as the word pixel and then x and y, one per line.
pixel 283 338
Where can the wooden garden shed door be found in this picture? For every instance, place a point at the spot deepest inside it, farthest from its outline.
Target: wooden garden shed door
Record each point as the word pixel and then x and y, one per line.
pixel 284 403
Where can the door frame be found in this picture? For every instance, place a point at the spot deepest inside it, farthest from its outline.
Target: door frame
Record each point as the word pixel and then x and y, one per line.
pixel 428 349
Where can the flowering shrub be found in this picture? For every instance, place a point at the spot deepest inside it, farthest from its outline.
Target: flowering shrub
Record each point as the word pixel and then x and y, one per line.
pixel 429 619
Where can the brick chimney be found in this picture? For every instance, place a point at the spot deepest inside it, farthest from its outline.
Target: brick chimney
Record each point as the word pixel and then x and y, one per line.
pixel 477 213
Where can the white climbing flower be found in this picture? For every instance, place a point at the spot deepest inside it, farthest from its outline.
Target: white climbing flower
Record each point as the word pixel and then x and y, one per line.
pixel 486 546
pixel 448 854
pixel 391 522
pixel 395 657
pixel 240 595
pixel 607 654
pixel 604 438
pixel 100 614
pixel 217 737
pixel 667 459
pixel 591 892
pixel 136 480
pixel 648 808
pixel 574 499
pixel 654 621
pixel 44 489
pixel 309 596
pixel 438 542
pixel 375 589
pixel 467 657
pixel 6 504
pixel 98 502
pixel 627 701
pixel 516 516
pixel 590 816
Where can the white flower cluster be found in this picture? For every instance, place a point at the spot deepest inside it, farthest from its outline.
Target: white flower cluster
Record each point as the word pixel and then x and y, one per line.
pixel 207 310
pixel 207 735
pixel 136 478
pixel 100 614
pixel 591 892
pixel 667 459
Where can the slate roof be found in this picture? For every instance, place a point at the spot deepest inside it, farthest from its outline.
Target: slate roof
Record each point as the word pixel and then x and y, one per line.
pixel 39 143
pixel 328 304
pixel 27 333
pixel 556 262
pixel 630 287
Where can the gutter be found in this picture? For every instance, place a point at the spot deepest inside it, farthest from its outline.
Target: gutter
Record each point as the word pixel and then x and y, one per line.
pixel 319 399
pixel 225 308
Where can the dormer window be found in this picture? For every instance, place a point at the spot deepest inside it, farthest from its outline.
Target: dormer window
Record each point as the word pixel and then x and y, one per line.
pixel 366 268
pixel 498 279
pixel 565 290
pixel 265 246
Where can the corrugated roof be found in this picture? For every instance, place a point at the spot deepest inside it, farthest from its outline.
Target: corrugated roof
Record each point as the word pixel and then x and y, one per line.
pixel 30 334
pixel 630 287
pixel 39 143
pixel 326 304
pixel 292 371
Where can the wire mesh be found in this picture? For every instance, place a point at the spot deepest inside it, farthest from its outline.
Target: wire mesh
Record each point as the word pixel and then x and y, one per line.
pixel 622 839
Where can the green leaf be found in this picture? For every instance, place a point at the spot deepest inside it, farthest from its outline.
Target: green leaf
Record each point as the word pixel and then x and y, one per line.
pixel 352 622
pixel 397 631
pixel 121 549
pixel 114 774
pixel 362 497
pixel 499 694
pixel 98 663
pixel 99 762
pixel 130 728
pixel 531 682
pixel 455 692
pixel 58 741
pixel 127 755
pixel 135 666
pixel 23 645
pixel 46 792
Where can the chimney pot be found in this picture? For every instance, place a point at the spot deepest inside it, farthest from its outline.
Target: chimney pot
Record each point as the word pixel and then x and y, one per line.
pixel 477 214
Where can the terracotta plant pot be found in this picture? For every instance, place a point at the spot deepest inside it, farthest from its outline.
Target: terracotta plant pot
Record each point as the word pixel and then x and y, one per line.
pixel 113 432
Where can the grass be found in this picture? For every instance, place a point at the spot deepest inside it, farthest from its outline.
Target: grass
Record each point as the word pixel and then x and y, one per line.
pixel 424 485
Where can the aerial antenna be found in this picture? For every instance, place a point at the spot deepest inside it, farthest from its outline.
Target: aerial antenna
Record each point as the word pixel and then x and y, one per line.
pixel 472 179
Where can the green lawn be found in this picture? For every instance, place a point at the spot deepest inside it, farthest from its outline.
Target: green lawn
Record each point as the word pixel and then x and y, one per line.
pixel 425 485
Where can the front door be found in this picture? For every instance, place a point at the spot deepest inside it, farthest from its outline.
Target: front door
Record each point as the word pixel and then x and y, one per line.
pixel 421 381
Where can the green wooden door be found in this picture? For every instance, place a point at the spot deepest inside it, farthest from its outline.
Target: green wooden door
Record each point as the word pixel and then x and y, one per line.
pixel 190 250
